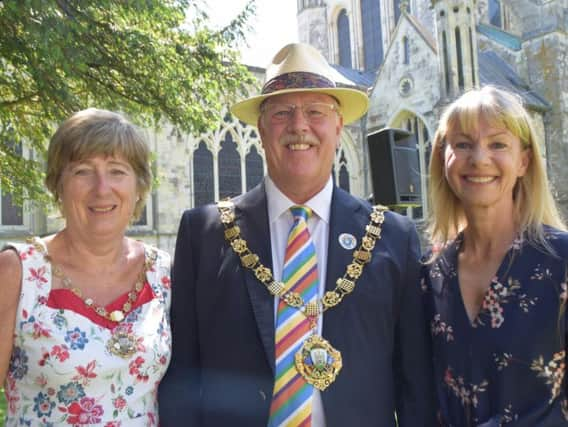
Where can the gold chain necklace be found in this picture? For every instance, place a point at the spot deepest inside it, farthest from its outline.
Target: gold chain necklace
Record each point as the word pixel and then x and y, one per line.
pixel 115 315
pixel 317 361
pixel 123 342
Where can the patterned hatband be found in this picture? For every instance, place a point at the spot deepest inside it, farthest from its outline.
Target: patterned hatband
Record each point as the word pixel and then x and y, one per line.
pixel 297 80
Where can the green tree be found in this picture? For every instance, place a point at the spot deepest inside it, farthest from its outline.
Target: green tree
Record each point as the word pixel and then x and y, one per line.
pixel 2 407
pixel 155 60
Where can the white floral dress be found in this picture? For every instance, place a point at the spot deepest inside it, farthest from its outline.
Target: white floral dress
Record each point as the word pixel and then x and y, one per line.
pixel 62 372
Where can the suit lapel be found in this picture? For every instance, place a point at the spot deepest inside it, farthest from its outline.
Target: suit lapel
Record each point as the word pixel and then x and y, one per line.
pixel 344 218
pixel 347 216
pixel 252 217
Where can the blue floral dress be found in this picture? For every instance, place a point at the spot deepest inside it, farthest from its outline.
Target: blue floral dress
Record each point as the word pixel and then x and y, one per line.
pixel 62 371
pixel 507 366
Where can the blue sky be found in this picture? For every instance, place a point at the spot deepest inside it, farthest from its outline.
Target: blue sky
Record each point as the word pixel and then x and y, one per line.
pixel 273 26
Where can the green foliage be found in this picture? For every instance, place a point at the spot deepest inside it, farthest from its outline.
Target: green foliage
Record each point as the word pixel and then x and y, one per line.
pixel 155 60
pixel 2 407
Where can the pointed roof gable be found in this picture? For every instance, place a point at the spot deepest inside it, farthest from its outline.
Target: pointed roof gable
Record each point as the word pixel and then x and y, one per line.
pixel 420 30
pixel 426 35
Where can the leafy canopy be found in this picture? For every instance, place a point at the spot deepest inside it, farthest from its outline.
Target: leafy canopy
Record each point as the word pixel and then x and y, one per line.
pixel 154 60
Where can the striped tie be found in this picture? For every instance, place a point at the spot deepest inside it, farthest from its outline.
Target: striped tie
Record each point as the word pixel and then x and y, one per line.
pixel 292 399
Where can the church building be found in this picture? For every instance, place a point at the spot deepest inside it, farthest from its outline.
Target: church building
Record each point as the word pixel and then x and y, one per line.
pixel 412 57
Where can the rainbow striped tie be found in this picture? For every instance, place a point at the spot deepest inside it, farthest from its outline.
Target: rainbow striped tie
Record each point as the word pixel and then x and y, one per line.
pixel 292 399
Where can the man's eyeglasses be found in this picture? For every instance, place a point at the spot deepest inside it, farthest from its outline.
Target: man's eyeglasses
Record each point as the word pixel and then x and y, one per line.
pixel 314 112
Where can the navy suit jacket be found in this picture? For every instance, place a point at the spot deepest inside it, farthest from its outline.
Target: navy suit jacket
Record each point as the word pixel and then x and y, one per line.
pixel 222 368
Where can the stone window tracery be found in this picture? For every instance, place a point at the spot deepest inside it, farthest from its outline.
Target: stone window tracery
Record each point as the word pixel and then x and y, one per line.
pixel 344 39
pixel 372 34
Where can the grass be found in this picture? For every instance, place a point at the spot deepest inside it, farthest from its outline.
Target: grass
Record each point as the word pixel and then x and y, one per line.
pixel 2 406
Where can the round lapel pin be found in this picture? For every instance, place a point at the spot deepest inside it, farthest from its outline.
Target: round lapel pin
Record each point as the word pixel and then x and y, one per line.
pixel 347 241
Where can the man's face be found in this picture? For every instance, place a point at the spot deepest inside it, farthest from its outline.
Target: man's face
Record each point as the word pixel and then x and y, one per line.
pixel 300 133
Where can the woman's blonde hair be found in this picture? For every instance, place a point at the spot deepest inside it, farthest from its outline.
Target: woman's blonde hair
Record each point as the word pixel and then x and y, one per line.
pixel 532 197
pixel 93 132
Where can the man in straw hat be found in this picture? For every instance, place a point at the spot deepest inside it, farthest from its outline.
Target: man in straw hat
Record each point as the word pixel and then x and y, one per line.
pixel 297 304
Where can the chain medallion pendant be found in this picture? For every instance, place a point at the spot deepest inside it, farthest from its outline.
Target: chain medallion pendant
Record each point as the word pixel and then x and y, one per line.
pixel 318 362
pixel 122 343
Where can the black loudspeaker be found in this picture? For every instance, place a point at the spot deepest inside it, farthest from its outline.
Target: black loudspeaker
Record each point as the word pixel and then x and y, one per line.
pixel 395 167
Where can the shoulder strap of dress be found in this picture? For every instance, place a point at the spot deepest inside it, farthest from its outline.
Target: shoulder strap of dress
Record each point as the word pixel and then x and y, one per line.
pixel 159 273
pixel 36 277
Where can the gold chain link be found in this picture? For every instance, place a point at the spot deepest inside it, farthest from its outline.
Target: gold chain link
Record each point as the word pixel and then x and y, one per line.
pixel 344 285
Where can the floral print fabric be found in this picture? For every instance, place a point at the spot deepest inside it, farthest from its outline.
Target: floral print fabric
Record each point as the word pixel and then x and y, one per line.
pixel 61 372
pixel 507 366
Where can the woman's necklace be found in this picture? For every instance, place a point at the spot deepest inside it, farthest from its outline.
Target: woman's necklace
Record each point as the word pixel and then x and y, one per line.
pixel 115 315
pixel 123 342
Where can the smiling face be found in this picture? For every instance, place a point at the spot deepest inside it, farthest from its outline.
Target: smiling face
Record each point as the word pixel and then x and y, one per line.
pixel 98 195
pixel 300 150
pixel 482 166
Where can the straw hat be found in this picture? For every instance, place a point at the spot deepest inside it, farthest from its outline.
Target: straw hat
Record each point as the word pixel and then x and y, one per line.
pixel 299 67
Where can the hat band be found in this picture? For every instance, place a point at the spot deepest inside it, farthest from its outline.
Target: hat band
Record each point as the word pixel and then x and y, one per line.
pixel 297 80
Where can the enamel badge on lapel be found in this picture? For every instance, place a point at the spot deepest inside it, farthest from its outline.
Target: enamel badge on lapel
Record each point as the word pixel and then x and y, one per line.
pixel 347 241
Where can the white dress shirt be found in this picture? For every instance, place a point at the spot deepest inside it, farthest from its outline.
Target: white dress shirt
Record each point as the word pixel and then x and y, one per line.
pixel 281 220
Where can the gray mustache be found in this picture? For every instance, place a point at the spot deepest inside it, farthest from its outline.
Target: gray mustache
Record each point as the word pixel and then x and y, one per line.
pixel 299 139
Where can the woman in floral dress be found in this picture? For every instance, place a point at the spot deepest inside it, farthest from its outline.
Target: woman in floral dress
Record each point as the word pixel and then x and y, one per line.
pixel 496 284
pixel 84 329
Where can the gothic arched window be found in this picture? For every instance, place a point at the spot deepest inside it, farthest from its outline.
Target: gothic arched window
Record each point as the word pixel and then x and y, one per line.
pixel 229 168
pixel 372 34
pixel 495 13
pixel 343 177
pixel 447 75
pixel 471 53
pixel 254 169
pixel 203 179
pixel 143 219
pixel 11 213
pixel 459 56
pixel 396 7
pixel 344 39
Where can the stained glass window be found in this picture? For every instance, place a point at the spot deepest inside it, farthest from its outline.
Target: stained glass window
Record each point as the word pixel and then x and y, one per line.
pixel 372 36
pixel 229 168
pixel 254 169
pixel 344 39
pixel 203 180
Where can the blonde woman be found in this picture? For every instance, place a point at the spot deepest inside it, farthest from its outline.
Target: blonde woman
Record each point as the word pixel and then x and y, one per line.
pixel 84 326
pixel 495 286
